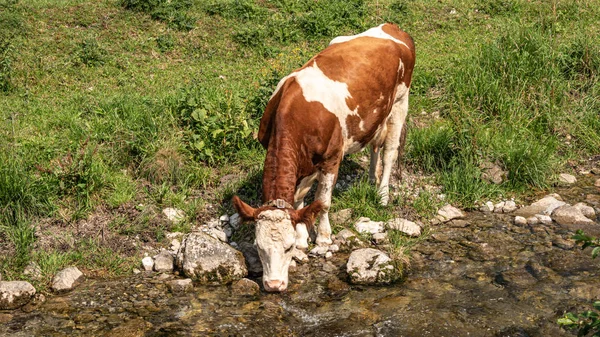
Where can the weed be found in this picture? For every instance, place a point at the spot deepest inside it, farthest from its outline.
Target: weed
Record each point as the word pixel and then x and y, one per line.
pixel 165 43
pixel 172 12
pixel 362 197
pixel 90 53
pixel 433 147
pixel 6 51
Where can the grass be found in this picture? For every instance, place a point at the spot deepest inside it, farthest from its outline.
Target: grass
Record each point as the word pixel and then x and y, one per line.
pixel 114 104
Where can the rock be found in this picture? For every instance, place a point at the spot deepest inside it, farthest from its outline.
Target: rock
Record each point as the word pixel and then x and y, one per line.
pixel 562 243
pixel 341 216
pixel 5 318
pixel 567 178
pixel 15 294
pixel 250 253
pixel 175 245
pixel 66 279
pixel 334 248
pixel 224 218
pixel 245 287
pixel 544 206
pixel 440 237
pixel 544 219
pixel 328 255
pixel 235 221
pixel 521 221
pixel 180 286
pixel 213 223
pixel 207 260
pixel 370 266
pixel 493 173
pixel 218 234
pixel 487 207
pixel 449 212
pixel 148 263
pixel 163 262
pixel 458 223
pixel 228 232
pixel 498 208
pixel 405 226
pixel 174 215
pixel 570 217
pixel 380 238
pixel 33 271
pixel 597 183
pixel 586 210
pixel 136 271
pixel 585 291
pixel 532 220
pixel 345 234
pixel 365 225
pixel 509 206
pixel 319 251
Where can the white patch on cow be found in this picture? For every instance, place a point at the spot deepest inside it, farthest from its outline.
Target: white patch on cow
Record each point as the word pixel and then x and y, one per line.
pixel 401 66
pixel 301 236
pixel 324 191
pixel 376 32
pixel 275 240
pixel 317 87
pixel 302 189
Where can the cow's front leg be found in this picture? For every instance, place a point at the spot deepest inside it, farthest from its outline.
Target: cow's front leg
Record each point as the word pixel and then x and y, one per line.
pixel 301 236
pixel 324 192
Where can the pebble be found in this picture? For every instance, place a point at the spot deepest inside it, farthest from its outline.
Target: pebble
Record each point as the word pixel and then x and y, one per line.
pixel 148 263
pixel 66 279
pixel 328 255
pixel 180 286
pixel 380 238
pixel 245 287
pixel 163 262
pixel 365 225
pixel 567 178
pixel 234 221
pixel 174 215
pixel 405 226
pixel 521 221
pixel 597 183
pixel 544 219
pixel 334 248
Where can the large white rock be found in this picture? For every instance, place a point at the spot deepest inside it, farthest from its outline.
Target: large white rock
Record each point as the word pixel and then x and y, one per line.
pixel 365 225
pixel 544 206
pixel 449 212
pixel 370 266
pixel 15 294
pixel 405 226
pixel 207 260
pixel 66 279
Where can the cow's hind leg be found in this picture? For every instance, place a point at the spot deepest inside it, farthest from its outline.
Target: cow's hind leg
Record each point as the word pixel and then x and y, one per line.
pixel 375 167
pixel 324 192
pixel 395 126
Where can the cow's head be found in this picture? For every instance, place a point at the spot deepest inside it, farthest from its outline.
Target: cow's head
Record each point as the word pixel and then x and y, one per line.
pixel 276 237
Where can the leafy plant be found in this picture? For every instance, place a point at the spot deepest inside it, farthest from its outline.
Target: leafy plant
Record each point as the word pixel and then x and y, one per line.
pixel 172 12
pixel 588 321
pixel 90 53
pixel 6 50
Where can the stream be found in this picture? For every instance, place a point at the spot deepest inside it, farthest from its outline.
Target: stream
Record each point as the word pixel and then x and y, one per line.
pixel 481 276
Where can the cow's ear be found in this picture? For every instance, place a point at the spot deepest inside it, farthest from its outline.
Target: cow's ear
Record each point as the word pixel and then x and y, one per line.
pixel 245 211
pixel 308 214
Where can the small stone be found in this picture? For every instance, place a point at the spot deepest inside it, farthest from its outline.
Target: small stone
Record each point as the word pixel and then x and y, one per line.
pixel 136 271
pixel 345 234
pixel 562 243
pixel 5 318
pixel 180 286
pixel 405 226
pixel 328 255
pixel 487 207
pixel 380 238
pixel 458 223
pixel 319 251
pixel 586 210
pixel 213 223
pixel 245 287
pixel 597 183
pixel 148 263
pixel 175 245
pixel 509 206
pixel 163 262
pixel 533 220
pixel 224 218
pixel 571 217
pixel 66 279
pixel 544 206
pixel 174 215
pixel 15 294
pixel 440 237
pixel 449 212
pixel 365 225
pixel 521 221
pixel 567 178
pixel 334 248
pixel 218 234
pixel 33 271
pixel 228 232
pixel 498 208
pixel 234 221
pixel 544 219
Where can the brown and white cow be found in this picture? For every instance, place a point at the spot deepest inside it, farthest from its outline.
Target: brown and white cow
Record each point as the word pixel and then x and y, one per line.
pixel 352 94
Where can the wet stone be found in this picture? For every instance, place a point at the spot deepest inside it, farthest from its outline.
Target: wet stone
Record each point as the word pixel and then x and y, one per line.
pixel 15 294
pixel 180 286
pixel 245 287
pixel 370 266
pixel 520 221
pixel 561 243
pixel 458 223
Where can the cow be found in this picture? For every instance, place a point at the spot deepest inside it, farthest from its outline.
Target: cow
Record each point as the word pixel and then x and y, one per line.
pixel 352 94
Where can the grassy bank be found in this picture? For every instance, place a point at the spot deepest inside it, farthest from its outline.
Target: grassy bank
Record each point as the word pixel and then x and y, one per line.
pixel 114 109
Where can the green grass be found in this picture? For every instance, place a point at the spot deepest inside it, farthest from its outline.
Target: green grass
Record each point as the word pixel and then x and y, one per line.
pixel 116 103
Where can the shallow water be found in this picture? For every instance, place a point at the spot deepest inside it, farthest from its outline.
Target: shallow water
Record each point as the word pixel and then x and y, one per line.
pixel 484 278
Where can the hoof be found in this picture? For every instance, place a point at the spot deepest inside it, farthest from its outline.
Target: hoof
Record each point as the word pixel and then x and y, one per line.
pixel 324 241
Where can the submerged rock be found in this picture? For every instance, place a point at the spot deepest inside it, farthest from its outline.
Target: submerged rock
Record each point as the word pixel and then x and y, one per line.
pixel 251 256
pixel 370 266
pixel 66 279
pixel 570 217
pixel 208 260
pixel 15 294
pixel 245 287
pixel 180 286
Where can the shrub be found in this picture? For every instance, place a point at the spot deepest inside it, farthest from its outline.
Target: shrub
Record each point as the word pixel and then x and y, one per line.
pixel 165 42
pixel 90 53
pixel 172 12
